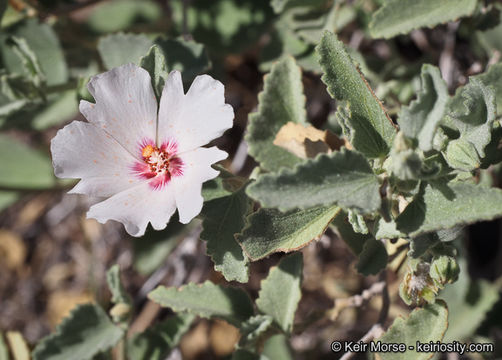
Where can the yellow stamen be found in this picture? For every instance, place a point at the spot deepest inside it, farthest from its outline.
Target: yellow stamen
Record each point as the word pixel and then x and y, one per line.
pixel 147 151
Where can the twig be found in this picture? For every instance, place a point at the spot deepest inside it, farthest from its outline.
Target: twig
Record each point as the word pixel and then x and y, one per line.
pixel 357 300
pixel 375 332
pixel 378 329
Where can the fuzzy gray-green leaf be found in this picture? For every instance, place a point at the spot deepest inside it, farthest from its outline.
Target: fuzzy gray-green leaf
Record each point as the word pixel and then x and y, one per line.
pixel 424 325
pixel 281 291
pixel 270 231
pixel 443 206
pixel 85 333
pixel 119 294
pixel 372 129
pixel 223 218
pixel 344 178
pixel 401 16
pixel 281 101
pixel 29 169
pixel 206 300
pixel 156 342
pixel 420 119
pixel 472 113
pixel 119 49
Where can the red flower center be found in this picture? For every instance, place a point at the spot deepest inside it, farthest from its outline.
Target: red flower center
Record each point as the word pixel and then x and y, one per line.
pixel 159 163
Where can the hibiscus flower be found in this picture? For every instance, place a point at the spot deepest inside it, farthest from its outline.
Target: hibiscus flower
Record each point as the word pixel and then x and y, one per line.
pixel 143 160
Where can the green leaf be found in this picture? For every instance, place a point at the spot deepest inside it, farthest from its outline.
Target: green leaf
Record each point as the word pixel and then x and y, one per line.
pixel 119 49
pixel 280 5
pixel 242 354
pixel 155 63
pixel 344 229
pixel 223 218
pixel 187 56
pixel 23 167
pixel 421 118
pixel 277 348
pixel 470 300
pixel 343 177
pixel 157 342
pixel 119 15
pixel 372 258
pixel 472 114
pixel 152 249
pixel 7 198
pixel 4 351
pixel 270 231
pixel 492 77
pixel 281 291
pixel 253 331
pixel 427 324
pixel 3 6
pixel 444 206
pixel 206 300
pixel 373 130
pixel 119 294
pixel 281 101
pixel 28 59
pixel 59 109
pixel 401 16
pixel 85 333
pixel 44 43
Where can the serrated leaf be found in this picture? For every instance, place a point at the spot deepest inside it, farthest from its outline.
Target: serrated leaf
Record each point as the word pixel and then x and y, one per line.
pixel 427 324
pixel 472 114
pixel 157 342
pixel 280 102
pixel 492 77
pixel 281 291
pixel 23 167
pixel 118 49
pixel 344 178
pixel 470 300
pixel 270 231
pixel 252 330
pixel 373 258
pixel 444 206
pixel 420 119
pixel 223 218
pixel 206 300
pixel 119 294
pixel 373 130
pixel 401 16
pixel 44 43
pixel 85 333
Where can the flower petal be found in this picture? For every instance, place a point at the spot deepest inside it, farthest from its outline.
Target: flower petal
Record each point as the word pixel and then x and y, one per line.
pixel 136 207
pixel 196 170
pixel 196 118
pixel 126 107
pixel 82 151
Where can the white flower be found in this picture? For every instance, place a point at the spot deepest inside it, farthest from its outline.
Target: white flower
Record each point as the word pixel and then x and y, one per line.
pixel 145 163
